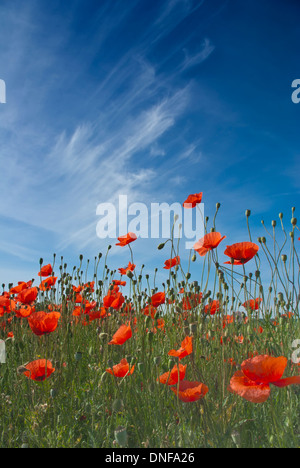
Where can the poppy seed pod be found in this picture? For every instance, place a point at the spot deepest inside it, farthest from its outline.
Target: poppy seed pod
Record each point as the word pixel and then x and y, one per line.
pixel 284 258
pixel 248 213
pixel 294 221
pixel 274 223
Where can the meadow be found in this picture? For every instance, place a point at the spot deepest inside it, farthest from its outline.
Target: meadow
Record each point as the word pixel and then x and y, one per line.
pixel 174 365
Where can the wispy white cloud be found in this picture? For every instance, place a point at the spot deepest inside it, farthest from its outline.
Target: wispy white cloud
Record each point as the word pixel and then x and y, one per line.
pixel 206 50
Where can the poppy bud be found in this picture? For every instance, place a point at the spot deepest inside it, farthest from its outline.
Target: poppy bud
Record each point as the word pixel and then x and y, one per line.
pixel 121 436
pixel 129 274
pixel 41 261
pixel 284 258
pixel 294 221
pixel 194 258
pixel 109 247
pixel 274 223
pixel 280 215
pixel 218 205
pixel 161 246
pixel 188 275
pixel 248 213
pixel 81 257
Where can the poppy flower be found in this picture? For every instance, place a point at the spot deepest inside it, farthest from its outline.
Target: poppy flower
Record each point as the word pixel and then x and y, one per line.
pixel 212 307
pixel 119 283
pixel 127 239
pixel 150 310
pixel 24 311
pixel 241 252
pixel 193 200
pixel 171 263
pixel 158 299
pixel 209 242
pixel 121 370
pixel 130 267
pixel 45 270
pixel 171 377
pixel 38 370
pixel 114 299
pixel 253 381
pixel 42 323
pixel 253 304
pixel 192 301
pixel 17 289
pixel 27 296
pixel 122 335
pixel 185 350
pixel 190 391
pixel 47 283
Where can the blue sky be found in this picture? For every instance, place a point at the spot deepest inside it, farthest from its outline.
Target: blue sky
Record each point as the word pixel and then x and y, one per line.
pixel 155 99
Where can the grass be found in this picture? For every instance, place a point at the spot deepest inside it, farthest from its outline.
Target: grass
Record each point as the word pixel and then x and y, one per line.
pixel 81 405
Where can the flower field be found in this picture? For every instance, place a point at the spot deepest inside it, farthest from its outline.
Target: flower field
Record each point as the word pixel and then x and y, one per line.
pixel 116 360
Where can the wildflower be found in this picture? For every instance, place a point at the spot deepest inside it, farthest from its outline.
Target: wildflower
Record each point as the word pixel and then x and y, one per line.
pixel 27 296
pixel 241 253
pixel 209 242
pixel 253 304
pixel 45 270
pixel 47 283
pixel 130 267
pixel 253 381
pixel 122 335
pixel 158 299
pixel 190 391
pixel 38 370
pixel 193 200
pixel 42 323
pixel 171 377
pixel 185 350
pixel 121 370
pixel 127 239
pixel 171 263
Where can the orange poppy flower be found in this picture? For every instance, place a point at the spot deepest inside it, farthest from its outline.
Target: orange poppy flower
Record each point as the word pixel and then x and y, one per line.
pixel 171 263
pixel 39 370
pixel 17 289
pixel 193 200
pixel 158 299
pixel 42 323
pixel 212 307
pixel 253 304
pixel 45 270
pixel 121 370
pixel 47 283
pixel 149 310
pixel 24 312
pixel 253 381
pixel 130 267
pixel 209 242
pixel 127 239
pixel 122 335
pixel 241 252
pixel 27 296
pixel 119 283
pixel 171 377
pixel 190 391
pixel 185 350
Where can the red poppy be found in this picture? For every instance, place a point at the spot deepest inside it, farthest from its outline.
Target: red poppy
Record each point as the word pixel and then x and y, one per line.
pixel 158 299
pixel 45 270
pixel 150 310
pixel 185 350
pixel 209 242
pixel 171 377
pixel 119 283
pixel 27 296
pixel 242 252
pixel 252 304
pixel 17 289
pixel 130 267
pixel 171 263
pixel 114 299
pixel 127 239
pixel 190 391
pixel 42 323
pixel 212 307
pixel 121 370
pixel 39 370
pixel 191 301
pixel 193 200
pixel 253 382
pixel 47 283
pixel 122 335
